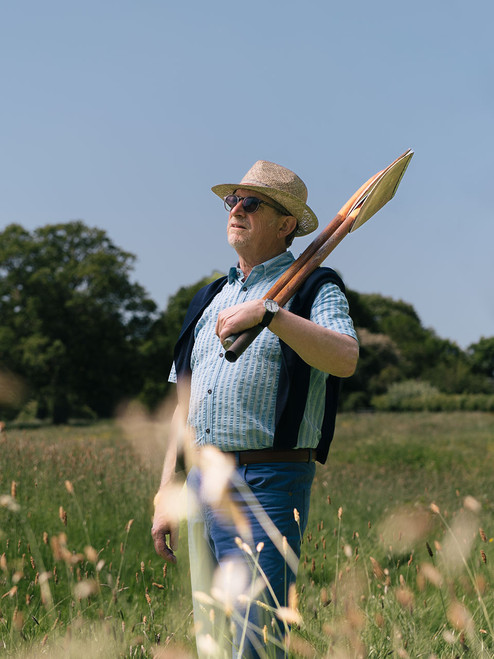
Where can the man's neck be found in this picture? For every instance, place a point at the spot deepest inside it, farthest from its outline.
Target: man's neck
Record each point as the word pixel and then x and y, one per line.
pixel 247 265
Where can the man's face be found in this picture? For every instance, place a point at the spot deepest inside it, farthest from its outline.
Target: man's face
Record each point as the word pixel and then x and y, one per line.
pixel 258 232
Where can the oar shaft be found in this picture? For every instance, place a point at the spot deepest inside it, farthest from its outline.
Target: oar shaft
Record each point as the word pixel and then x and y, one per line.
pixel 292 286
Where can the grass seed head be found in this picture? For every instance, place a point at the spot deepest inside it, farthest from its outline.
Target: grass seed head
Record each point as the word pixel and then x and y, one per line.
pixel 292 597
pixel 405 598
pixel 431 574
pixel 458 543
pixel 460 617
pixel 404 528
pixel 471 504
pixel 62 513
pixel 9 502
pixel 91 554
pixel 231 580
pixel 377 569
pixel 217 469
pixel 288 615
pixel 207 645
pixel 86 588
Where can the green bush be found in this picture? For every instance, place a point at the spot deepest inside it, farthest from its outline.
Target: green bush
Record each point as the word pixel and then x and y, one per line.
pixel 409 395
pixel 417 396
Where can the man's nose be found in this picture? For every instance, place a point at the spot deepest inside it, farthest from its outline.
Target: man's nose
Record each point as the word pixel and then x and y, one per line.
pixel 238 209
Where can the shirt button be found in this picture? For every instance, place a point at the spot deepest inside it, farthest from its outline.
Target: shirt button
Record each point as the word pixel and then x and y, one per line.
pixel 221 354
pixel 210 391
pixel 208 431
pixel 244 289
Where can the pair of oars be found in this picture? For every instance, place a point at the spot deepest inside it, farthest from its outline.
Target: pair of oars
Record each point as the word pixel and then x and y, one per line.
pixel 362 205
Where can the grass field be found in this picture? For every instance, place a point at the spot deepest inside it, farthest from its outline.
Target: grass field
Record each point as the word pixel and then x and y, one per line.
pixel 396 561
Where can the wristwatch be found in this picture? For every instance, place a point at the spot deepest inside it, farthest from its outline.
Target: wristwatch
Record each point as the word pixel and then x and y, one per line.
pixel 272 309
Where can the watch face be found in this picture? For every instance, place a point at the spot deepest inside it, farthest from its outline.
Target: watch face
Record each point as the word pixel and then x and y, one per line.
pixel 271 305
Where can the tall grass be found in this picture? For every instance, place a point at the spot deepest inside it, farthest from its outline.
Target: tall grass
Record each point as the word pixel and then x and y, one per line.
pixel 76 554
pixel 396 560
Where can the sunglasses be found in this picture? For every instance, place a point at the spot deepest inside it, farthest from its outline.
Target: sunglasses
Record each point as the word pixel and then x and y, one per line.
pixel 249 204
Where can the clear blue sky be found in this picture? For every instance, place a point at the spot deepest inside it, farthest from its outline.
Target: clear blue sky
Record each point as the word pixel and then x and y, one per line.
pixel 124 114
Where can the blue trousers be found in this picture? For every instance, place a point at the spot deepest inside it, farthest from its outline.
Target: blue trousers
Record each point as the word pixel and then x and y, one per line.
pixel 241 557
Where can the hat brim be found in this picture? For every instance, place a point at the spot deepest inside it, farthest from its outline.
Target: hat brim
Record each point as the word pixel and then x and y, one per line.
pixel 305 216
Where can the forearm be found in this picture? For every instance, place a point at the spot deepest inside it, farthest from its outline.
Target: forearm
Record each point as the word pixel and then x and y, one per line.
pixel 320 347
pixel 166 512
pixel 170 461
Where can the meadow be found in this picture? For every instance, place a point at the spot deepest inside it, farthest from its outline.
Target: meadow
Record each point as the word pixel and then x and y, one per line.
pixel 396 560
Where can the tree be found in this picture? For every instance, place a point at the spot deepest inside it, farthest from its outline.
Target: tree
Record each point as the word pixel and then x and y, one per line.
pixel 481 357
pixel 71 321
pixel 394 347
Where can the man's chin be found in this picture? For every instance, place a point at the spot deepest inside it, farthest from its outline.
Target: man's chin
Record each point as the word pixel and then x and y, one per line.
pixel 236 239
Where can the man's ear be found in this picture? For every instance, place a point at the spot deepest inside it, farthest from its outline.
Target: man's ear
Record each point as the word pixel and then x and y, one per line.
pixel 288 225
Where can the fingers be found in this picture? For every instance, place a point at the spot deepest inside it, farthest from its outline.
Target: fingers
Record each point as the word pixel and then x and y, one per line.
pixel 174 539
pixel 238 318
pixel 161 547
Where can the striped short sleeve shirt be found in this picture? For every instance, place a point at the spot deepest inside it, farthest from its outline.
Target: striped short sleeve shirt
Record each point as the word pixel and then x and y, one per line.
pixel 232 405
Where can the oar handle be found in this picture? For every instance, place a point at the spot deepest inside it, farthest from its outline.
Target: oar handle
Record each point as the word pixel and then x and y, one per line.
pixel 236 344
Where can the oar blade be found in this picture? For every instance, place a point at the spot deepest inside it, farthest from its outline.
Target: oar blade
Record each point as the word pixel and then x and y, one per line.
pixel 382 190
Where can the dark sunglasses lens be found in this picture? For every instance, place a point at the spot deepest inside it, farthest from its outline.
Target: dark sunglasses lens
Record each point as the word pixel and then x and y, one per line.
pixel 231 201
pixel 251 204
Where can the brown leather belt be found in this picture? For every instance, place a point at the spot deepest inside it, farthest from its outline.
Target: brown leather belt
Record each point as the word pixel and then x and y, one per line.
pixel 269 455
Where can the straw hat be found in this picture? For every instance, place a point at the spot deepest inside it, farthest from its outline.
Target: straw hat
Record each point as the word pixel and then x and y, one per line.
pixel 280 184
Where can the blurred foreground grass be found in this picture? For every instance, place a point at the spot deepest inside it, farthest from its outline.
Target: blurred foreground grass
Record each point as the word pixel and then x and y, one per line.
pixel 397 558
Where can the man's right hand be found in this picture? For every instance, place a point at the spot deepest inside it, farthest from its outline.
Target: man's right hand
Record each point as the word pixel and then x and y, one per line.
pixel 165 526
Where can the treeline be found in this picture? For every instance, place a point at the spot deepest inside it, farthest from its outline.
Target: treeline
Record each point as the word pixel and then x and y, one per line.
pixel 78 337
pixel 405 366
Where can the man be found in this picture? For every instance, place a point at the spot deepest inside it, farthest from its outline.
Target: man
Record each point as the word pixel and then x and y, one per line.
pixel 272 411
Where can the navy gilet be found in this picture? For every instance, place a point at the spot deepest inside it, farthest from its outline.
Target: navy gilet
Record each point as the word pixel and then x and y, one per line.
pixel 294 375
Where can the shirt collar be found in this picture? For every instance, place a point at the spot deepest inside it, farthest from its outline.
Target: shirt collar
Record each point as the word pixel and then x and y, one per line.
pixel 268 269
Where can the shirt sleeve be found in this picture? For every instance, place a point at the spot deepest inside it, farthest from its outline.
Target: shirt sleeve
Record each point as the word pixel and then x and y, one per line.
pixel 172 377
pixel 330 309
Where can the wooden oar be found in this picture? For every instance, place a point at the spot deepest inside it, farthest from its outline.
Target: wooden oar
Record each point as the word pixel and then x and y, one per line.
pixel 318 242
pixel 361 206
